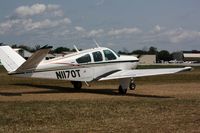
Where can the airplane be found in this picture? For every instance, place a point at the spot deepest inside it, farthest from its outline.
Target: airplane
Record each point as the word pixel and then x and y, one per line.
pixel 95 64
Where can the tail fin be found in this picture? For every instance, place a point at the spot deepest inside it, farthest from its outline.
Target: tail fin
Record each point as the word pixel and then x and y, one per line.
pixel 10 59
pixel 35 59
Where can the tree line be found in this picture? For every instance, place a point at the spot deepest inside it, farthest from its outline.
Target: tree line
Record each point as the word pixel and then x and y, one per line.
pixel 162 55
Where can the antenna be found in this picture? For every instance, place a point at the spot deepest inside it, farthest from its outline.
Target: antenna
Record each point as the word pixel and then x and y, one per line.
pixel 96 43
pixel 76 48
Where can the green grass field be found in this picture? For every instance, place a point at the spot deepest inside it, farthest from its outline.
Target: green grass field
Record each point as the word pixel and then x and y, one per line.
pixel 169 103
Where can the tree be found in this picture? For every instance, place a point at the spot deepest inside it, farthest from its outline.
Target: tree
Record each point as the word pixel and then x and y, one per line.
pixel 152 50
pixel 61 49
pixel 37 47
pixel 164 55
pixel 124 52
pixel 14 46
pixel 121 52
pixel 139 52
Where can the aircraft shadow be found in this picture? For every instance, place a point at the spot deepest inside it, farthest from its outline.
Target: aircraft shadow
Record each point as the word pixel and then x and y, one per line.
pixel 148 96
pixel 59 89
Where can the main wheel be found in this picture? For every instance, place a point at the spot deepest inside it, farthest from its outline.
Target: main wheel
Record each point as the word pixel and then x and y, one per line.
pixel 77 84
pixel 122 91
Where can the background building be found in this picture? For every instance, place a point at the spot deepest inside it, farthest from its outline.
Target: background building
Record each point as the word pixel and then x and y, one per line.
pixel 26 54
pixel 147 59
pixel 192 56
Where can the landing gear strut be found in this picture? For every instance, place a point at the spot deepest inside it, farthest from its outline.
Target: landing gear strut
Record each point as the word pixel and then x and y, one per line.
pixel 77 84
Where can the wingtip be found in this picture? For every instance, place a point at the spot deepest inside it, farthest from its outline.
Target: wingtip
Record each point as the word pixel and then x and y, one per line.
pixel 188 69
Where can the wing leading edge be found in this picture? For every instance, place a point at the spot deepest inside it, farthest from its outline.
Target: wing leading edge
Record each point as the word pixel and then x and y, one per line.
pixel 143 72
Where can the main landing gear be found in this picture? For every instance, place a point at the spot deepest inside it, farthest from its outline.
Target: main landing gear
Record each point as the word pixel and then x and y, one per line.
pixel 124 84
pixel 77 84
pixel 122 91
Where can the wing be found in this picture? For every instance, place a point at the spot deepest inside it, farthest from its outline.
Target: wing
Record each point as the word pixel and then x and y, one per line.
pixel 143 72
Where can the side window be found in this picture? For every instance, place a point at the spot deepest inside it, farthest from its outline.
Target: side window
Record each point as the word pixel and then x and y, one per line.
pixel 97 56
pixel 109 55
pixel 84 59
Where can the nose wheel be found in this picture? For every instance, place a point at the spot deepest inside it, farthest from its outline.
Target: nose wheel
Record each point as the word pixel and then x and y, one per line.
pixel 132 85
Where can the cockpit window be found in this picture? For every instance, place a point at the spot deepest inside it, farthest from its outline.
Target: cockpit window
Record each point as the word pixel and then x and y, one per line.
pixel 84 59
pixel 109 55
pixel 97 56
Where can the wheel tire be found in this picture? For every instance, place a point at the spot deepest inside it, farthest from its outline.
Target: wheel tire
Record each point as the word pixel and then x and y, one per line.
pixel 122 91
pixel 132 86
pixel 77 84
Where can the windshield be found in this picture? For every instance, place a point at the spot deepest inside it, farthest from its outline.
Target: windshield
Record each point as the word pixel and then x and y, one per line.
pixel 109 55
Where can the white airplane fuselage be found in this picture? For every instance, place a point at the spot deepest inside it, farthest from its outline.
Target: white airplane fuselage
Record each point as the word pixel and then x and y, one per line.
pixel 68 68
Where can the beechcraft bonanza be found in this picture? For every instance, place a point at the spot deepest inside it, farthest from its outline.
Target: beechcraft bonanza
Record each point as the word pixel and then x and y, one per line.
pixel 96 64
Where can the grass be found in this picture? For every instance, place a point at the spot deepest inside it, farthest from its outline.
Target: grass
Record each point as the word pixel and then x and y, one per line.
pixel 144 115
pixel 143 111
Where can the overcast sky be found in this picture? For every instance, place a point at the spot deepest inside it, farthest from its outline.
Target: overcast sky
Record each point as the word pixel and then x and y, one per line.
pixel 119 24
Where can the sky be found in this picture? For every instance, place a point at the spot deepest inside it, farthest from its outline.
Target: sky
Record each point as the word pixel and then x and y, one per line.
pixel 118 24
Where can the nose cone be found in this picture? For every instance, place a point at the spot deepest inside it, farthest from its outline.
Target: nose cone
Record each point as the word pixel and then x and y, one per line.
pixel 130 62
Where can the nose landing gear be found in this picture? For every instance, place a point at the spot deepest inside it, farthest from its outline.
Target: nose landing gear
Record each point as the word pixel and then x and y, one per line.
pixel 132 84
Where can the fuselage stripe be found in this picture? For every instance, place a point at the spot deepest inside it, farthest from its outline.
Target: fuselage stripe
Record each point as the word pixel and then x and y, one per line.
pixel 76 67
